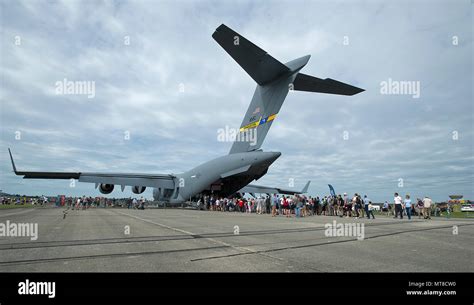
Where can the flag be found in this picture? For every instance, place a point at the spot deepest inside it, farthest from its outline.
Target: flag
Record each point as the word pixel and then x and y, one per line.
pixel 331 190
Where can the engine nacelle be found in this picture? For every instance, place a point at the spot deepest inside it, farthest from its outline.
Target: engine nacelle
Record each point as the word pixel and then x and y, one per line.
pixel 106 188
pixel 138 189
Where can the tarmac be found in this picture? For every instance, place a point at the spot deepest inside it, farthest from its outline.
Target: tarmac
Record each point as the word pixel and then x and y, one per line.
pixel 186 240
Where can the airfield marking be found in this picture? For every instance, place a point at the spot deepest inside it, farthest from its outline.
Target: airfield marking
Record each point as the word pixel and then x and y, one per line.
pixel 221 249
pixel 329 242
pixel 238 248
pixel 82 257
pixel 156 223
pixel 82 242
pixel 18 213
pixel 224 245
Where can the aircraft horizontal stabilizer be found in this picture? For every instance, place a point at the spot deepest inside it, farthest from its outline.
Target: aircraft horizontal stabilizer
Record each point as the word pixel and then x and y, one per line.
pixel 262 67
pixel 310 83
pixel 252 188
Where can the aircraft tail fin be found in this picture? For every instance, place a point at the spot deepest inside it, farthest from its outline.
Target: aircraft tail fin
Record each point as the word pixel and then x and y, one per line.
pixel 305 188
pixel 274 81
pixel 261 67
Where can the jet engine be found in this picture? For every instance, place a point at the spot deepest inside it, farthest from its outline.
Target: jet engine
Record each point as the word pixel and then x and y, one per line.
pixel 138 189
pixel 106 188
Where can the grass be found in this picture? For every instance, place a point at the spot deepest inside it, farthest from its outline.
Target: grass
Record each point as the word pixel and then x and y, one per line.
pixel 443 215
pixel 16 206
pixel 459 214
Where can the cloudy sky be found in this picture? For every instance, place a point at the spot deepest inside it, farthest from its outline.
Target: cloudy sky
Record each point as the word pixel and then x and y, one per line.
pixel 141 53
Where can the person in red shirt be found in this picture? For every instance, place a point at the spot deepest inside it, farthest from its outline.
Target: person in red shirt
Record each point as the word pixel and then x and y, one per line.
pixel 241 205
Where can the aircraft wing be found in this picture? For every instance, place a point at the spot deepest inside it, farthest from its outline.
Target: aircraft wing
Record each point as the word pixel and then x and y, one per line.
pixel 252 188
pixel 123 179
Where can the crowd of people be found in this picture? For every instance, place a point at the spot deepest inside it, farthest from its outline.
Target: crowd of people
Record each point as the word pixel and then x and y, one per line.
pixel 83 203
pixel 21 200
pixel 422 207
pixel 76 203
pixel 357 206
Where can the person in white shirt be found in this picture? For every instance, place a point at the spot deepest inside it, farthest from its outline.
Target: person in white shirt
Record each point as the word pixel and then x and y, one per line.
pixel 280 208
pixel 259 205
pixel 427 202
pixel 398 206
pixel 366 206
pixel 370 209
pixel 355 205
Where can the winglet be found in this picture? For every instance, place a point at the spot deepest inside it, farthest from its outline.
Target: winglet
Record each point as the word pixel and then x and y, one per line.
pixel 305 189
pixel 13 162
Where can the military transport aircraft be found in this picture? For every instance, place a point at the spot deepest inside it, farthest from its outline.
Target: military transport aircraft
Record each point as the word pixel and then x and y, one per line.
pixel 246 161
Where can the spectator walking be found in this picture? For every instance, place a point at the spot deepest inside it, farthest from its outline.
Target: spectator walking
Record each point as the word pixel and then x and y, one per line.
pixel 347 206
pixel 370 210
pixel 419 207
pixel 340 202
pixel 386 208
pixel 267 205
pixel 274 205
pixel 366 206
pixel 361 208
pixel 286 207
pixel 407 203
pixel 357 205
pixel 280 206
pixel 427 202
pixel 398 206
pixel 316 206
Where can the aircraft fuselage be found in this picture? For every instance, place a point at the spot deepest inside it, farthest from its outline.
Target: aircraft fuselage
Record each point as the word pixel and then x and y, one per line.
pixel 224 175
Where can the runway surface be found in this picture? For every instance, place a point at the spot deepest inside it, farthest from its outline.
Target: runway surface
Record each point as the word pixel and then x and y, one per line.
pixel 189 240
